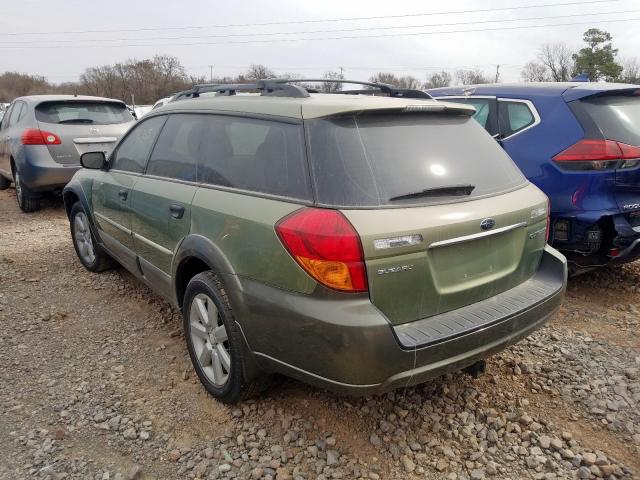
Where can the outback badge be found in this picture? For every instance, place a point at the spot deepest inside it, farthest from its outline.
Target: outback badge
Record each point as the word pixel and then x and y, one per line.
pixel 487 224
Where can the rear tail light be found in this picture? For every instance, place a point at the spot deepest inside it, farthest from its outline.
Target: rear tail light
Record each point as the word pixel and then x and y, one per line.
pixel 34 136
pixel 326 246
pixel 590 154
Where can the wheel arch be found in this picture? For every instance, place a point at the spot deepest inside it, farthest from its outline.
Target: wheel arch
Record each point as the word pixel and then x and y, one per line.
pixel 73 193
pixel 197 254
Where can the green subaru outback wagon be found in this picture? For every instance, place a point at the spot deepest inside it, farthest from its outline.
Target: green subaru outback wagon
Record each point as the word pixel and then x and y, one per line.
pixel 355 242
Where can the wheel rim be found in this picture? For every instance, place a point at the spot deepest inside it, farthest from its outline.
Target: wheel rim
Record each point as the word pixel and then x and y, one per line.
pixel 82 237
pixel 18 188
pixel 210 340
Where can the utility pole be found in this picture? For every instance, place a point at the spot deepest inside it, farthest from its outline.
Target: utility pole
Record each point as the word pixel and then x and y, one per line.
pixel 497 73
pixel 211 73
pixel 341 72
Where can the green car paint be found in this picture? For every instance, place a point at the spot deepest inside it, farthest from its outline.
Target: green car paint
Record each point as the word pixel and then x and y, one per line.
pixel 242 226
pixel 442 278
pixel 291 323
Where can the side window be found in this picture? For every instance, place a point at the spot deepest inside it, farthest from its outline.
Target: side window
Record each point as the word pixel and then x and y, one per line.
pixel 15 113
pixel 133 152
pixel 256 155
pixel 485 111
pixel 176 152
pixel 514 116
pixel 23 112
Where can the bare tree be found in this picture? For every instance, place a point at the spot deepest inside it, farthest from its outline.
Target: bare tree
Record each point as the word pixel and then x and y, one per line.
pixel 14 84
pixel 535 72
pixel 558 59
pixel 258 72
pixel 630 70
pixel 471 77
pixel 438 79
pixel 331 87
pixel 407 81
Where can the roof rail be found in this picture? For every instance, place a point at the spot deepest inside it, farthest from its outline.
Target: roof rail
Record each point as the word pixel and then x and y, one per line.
pixel 387 88
pixel 265 87
pixel 285 87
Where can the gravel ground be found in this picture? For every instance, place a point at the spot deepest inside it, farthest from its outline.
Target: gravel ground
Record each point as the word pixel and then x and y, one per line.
pixel 97 384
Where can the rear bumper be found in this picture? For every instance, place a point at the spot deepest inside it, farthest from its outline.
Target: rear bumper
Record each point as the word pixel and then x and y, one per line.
pixel 40 173
pixel 347 345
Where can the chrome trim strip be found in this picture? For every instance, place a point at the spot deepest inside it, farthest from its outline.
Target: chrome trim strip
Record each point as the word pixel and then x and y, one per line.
pixel 88 140
pixel 111 222
pixel 475 236
pixel 166 251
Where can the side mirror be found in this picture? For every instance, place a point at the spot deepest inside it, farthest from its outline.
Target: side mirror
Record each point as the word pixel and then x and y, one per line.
pixel 93 160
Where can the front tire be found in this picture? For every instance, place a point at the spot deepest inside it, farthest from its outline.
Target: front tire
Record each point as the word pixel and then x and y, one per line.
pixel 215 342
pixel 27 201
pixel 4 183
pixel 90 254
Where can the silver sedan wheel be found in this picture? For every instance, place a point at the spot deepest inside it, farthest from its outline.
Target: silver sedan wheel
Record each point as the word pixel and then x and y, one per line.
pixel 18 188
pixel 82 237
pixel 210 340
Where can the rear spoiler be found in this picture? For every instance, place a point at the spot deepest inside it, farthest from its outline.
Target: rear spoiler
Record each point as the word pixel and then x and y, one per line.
pixel 442 107
pixel 579 92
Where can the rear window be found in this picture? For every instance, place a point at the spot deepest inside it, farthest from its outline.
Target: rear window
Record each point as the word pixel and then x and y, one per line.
pixel 617 117
pixel 369 160
pixel 96 113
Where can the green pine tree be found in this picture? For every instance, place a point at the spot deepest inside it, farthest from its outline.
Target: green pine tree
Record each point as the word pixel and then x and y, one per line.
pixel 598 59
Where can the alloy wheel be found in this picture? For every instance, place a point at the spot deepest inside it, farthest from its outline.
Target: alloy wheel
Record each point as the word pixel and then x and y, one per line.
pixel 210 340
pixel 82 237
pixel 18 188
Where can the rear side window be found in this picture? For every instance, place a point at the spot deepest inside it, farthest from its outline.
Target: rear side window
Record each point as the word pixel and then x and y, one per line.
pixel 485 111
pixel 370 160
pixel 176 152
pixel 514 117
pixel 254 154
pixel 616 117
pixel 16 113
pixel 96 113
pixel 132 153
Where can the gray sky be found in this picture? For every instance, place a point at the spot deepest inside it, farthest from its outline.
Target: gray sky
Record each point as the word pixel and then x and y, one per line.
pixel 63 56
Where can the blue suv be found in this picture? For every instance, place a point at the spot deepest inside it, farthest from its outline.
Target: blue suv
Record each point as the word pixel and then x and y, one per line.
pixel 580 143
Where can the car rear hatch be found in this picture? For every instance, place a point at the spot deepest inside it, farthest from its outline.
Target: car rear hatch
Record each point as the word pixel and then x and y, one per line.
pixel 445 217
pixel 82 126
pixel 611 121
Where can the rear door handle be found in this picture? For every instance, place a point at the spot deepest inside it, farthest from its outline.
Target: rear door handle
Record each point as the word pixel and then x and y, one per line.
pixel 177 211
pixel 123 195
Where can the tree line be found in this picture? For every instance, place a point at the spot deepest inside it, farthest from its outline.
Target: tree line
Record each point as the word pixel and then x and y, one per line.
pixel 145 81
pixel 598 60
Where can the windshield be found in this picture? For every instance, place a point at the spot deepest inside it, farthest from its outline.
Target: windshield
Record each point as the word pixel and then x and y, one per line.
pixel 386 159
pixel 617 117
pixel 96 113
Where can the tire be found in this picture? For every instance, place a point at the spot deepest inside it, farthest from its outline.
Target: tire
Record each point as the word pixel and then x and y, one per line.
pixel 4 183
pixel 214 338
pixel 27 201
pixel 90 254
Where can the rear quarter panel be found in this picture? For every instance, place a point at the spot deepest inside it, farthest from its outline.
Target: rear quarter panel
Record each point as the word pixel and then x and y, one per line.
pixel 242 227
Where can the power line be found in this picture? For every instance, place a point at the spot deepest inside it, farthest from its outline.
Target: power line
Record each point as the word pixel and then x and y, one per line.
pixel 349 37
pixel 293 22
pixel 309 32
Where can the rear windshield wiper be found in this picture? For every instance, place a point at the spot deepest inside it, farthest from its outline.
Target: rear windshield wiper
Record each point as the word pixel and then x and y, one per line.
pixel 449 191
pixel 76 120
